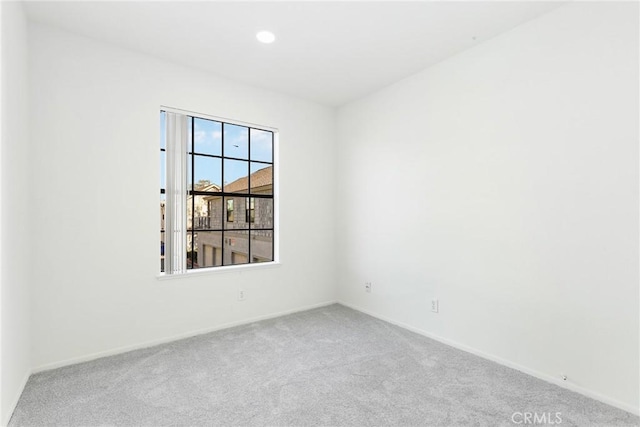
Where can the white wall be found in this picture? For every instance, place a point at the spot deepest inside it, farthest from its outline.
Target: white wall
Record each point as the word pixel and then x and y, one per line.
pixel 14 227
pixel 95 176
pixel 504 181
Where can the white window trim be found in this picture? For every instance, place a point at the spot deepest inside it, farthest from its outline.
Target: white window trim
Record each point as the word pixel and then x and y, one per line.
pixel 276 202
pixel 220 270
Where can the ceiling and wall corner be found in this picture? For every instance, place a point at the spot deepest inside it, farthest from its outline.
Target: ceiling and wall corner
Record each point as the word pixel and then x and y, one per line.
pixel 327 52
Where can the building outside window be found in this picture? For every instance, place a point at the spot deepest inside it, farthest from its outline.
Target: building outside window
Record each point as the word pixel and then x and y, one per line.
pixel 216 189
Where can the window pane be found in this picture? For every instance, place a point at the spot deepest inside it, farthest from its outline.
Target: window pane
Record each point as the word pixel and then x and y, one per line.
pixel 261 145
pixel 261 246
pixel 189 134
pixel 236 141
pixel 189 174
pixel 192 254
pixel 207 173
pixel 214 211
pixel 163 199
pixel 236 247
pixel 208 249
pixel 261 178
pixel 235 213
pixel 229 213
pixel 236 174
pixel 163 169
pixel 162 251
pixel 250 210
pixel 207 137
pixel 263 213
pixel 163 130
pixel 207 213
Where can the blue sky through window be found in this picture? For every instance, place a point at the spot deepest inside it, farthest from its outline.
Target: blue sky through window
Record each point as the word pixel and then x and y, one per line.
pixel 236 141
pixel 261 145
pixel 207 137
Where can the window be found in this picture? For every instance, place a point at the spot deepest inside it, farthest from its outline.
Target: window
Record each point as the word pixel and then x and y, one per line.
pixel 216 193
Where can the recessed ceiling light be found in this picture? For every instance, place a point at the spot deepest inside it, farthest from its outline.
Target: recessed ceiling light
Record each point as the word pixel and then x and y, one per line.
pixel 265 37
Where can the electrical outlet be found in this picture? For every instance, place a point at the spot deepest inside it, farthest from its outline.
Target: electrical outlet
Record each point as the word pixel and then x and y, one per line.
pixel 435 305
pixel 367 287
pixel 242 295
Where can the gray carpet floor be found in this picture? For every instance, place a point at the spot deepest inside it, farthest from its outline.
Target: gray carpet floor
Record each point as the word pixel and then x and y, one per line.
pixel 328 366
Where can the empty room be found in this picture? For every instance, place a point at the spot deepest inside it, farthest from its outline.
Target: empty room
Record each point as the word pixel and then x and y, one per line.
pixel 321 213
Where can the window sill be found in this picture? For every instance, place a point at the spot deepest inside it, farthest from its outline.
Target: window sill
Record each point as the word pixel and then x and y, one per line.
pixel 218 270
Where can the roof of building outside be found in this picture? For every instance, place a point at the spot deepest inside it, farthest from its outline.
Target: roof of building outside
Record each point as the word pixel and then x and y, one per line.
pixel 259 178
pixel 210 187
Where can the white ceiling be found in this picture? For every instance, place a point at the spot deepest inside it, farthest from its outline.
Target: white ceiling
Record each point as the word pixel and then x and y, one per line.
pixel 328 52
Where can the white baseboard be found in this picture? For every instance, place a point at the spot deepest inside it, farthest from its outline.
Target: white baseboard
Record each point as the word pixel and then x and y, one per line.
pixel 540 375
pixel 7 416
pixel 159 341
